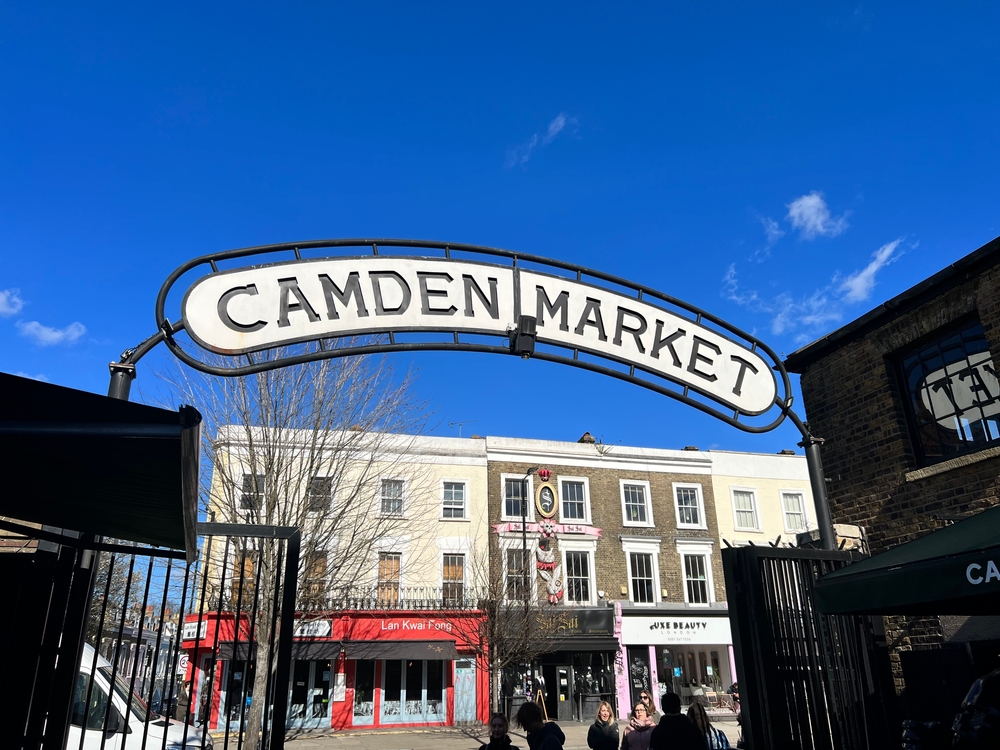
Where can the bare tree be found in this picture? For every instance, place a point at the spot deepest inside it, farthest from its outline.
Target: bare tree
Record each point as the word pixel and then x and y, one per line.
pixel 306 446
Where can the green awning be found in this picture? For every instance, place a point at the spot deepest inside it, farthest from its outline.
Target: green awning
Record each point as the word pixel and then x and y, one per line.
pixel 952 571
pixel 93 464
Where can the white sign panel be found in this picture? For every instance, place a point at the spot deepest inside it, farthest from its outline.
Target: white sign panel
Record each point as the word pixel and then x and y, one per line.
pixel 313 628
pixel 234 312
pixel 677 629
pixel 190 628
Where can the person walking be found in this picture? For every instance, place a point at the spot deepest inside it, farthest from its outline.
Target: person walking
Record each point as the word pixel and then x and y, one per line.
pixel 603 734
pixel 541 735
pixel 647 697
pixel 675 731
pixel 639 729
pixel 499 739
pixel 714 739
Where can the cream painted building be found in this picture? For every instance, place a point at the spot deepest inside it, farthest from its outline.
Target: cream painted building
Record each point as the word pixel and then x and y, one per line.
pixel 760 497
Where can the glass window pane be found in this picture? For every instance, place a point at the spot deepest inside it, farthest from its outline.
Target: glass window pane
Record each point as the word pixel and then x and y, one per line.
pixel 392 688
pixel 687 506
pixel 392 496
pixel 454 500
pixel 513 496
pixel 578 576
pixel 635 503
pixel 364 688
pixel 573 501
pixel 641 566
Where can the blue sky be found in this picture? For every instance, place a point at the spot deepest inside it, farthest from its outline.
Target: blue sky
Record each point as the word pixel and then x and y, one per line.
pixel 785 166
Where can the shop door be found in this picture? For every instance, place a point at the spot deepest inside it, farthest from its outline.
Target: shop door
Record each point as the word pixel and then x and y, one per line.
pixel 309 702
pixel 364 692
pixel 465 690
pixel 235 697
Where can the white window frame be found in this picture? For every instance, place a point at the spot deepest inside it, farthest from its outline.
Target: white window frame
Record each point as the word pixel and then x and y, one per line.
pixel 699 491
pixel 643 546
pixel 465 499
pixel 585 481
pixel 579 545
pixel 513 541
pixel 530 499
pixel 649 523
pixel 704 548
pixel 465 568
pixel 753 502
pixel 805 510
pixel 310 511
pixel 402 510
pixel 400 544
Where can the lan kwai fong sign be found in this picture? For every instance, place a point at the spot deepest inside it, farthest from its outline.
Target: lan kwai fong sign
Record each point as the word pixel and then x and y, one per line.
pixel 235 312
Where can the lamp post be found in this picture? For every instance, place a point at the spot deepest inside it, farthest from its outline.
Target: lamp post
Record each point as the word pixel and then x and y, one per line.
pixel 524 554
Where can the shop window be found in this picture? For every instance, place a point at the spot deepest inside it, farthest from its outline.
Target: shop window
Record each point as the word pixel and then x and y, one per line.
pixel 577 579
pixel 392 690
pixel 392 497
pixel 318 494
pixel 635 504
pixel 453 579
pixel 453 501
pixel 435 687
pixel 690 513
pixel 745 509
pixel 516 574
pixel 641 573
pixel 515 494
pixel 364 691
pixel 574 505
pixel 794 509
pixel 252 492
pixel 388 577
pixel 696 579
pixel 951 394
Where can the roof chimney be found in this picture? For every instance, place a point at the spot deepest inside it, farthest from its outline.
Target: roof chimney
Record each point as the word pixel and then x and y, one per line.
pixel 690 447
pixel 586 438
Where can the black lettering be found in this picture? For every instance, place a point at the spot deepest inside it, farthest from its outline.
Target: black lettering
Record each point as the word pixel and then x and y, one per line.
pixel 659 342
pixel 351 288
pixel 223 309
pixel 944 384
pixel 492 307
pixel 425 294
pixel 978 385
pixel 593 306
pixel 697 356
pixel 290 287
pixel 561 304
pixel 380 309
pixel 744 366
pixel 636 332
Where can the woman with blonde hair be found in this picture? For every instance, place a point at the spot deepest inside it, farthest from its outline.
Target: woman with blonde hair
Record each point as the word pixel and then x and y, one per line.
pixel 498 734
pixel 714 739
pixel 603 734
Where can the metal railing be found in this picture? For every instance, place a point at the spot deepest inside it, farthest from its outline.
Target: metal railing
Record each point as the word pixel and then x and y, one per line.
pixel 392 597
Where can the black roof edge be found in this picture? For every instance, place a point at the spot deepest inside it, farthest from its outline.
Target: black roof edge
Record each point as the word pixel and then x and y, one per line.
pixel 954 275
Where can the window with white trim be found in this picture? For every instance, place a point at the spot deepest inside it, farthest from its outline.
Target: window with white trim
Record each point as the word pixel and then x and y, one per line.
pixel 696 579
pixel 453 500
pixel 389 574
pixel 515 573
pixel 689 506
pixel 319 493
pixel 745 509
pixel 636 510
pixel 573 501
pixel 642 560
pixel 452 578
pixel 577 577
pixel 392 497
pixel 516 497
pixel 793 508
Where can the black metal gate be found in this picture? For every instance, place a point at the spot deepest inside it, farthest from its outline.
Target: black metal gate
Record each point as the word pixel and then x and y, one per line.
pixel 807 681
pixel 163 653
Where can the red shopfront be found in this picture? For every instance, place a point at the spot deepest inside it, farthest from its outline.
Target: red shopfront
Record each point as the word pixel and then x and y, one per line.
pixel 359 669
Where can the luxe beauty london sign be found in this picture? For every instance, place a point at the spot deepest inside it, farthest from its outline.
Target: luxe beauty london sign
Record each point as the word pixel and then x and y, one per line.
pixel 253 309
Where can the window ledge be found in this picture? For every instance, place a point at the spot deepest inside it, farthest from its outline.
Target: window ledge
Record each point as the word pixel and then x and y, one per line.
pixel 952 464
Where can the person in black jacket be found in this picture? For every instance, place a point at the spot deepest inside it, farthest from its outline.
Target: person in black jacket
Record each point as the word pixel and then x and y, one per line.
pixel 541 736
pixel 675 731
pixel 499 740
pixel 603 734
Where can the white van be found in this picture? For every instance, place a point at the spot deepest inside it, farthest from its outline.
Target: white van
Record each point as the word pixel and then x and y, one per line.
pixel 126 720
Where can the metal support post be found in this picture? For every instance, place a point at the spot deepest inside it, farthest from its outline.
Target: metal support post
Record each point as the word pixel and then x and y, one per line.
pixel 824 518
pixel 122 376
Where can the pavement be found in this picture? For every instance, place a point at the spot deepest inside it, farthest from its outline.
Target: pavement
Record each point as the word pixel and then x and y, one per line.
pixel 442 738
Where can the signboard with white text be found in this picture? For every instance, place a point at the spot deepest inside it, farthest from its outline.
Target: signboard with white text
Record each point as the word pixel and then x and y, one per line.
pixel 676 629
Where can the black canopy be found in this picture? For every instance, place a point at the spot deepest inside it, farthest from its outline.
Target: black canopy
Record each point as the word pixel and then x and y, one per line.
pixel 94 464
pixel 401 650
pixel 952 571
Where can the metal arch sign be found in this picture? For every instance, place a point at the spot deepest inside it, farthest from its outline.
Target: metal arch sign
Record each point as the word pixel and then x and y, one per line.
pixel 254 309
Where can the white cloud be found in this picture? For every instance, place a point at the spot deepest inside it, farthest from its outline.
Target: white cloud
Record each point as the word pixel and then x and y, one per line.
pixel 858 286
pixel 771 230
pixel 48 336
pixel 11 302
pixel 32 377
pixel 813 314
pixel 811 216
pixel 519 155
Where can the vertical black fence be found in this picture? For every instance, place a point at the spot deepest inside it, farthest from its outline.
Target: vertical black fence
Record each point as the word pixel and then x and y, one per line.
pixel 808 681
pixel 162 653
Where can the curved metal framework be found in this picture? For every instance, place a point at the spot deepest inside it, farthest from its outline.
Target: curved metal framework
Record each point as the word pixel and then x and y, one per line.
pixel 432 249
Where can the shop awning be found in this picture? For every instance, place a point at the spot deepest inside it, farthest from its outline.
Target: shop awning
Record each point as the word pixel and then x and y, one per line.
pixel 93 464
pixel 401 650
pixel 584 644
pixel 952 571
pixel 315 650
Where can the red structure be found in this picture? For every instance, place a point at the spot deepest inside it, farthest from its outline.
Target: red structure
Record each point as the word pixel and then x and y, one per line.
pixel 381 668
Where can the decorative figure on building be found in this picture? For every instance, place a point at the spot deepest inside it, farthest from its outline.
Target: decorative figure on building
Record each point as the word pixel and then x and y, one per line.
pixel 553 584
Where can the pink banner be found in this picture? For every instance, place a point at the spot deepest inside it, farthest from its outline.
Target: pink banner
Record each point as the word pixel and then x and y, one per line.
pixel 554 528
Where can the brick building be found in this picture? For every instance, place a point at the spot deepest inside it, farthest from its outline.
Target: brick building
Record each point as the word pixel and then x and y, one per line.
pixel 908 401
pixel 635 532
